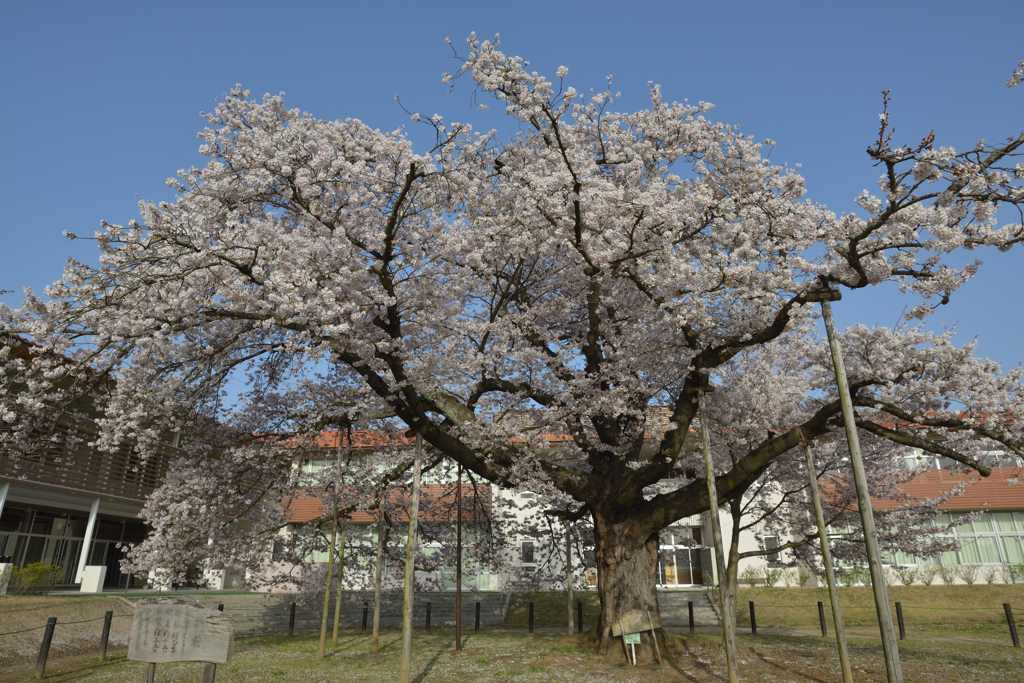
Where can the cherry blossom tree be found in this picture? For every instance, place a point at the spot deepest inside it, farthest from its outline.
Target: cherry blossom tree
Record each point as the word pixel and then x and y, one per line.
pixel 492 294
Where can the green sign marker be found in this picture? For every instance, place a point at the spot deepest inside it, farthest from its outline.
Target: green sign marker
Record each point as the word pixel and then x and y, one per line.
pixel 632 638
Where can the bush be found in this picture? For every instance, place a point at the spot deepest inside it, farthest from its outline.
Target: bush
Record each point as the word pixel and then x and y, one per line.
pixel 803 577
pixel 992 574
pixel 751 575
pixel 33 578
pixel 848 575
pixel 969 573
pixel 947 573
pixel 1016 572
pixel 927 573
pixel 906 575
pixel 773 575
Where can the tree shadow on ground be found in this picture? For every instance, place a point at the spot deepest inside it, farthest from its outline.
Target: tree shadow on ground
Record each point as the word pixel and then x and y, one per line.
pixel 433 660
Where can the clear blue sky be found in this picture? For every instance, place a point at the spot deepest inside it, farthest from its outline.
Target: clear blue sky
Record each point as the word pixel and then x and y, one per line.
pixel 101 100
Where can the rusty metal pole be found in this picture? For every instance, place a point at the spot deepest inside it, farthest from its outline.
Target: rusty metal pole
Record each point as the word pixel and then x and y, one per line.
pixel 890 649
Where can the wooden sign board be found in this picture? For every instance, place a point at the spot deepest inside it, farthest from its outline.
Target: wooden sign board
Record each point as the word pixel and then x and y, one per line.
pixel 172 630
pixel 635 621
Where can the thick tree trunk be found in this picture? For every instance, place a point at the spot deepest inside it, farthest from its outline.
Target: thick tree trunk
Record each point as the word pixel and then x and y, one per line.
pixel 627 562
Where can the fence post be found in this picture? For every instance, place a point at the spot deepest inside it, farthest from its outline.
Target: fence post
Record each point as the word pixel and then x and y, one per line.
pixel 429 603
pixel 366 614
pixel 220 607
pixel 477 627
pixel 689 607
pixel 105 635
pixel 1012 624
pixel 531 617
pixel 291 619
pixel 899 621
pixel 753 619
pixel 44 648
pixel 579 617
pixel 821 618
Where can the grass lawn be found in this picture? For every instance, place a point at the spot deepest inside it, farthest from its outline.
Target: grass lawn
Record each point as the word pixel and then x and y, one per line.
pixel 966 613
pixel 512 655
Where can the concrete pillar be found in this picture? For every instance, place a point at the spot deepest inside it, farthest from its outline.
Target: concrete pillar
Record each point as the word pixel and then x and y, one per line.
pixel 4 488
pixel 90 529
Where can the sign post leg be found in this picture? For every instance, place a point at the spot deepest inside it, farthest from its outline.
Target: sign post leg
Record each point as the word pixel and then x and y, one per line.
pixel 209 672
pixel 149 673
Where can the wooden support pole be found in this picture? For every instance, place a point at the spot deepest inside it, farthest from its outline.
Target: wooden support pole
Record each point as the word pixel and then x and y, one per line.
pixel 209 672
pixel 830 574
pixel 890 650
pixel 375 641
pixel 728 625
pixel 149 673
pixel 1012 624
pixel 458 560
pixel 44 648
pixel 405 664
pixel 105 634
pixel 341 575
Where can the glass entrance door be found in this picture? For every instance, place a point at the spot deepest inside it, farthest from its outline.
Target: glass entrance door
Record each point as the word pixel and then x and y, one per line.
pixel 679 558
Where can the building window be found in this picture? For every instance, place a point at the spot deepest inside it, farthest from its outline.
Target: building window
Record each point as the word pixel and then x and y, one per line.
pixel 774 558
pixel 526 553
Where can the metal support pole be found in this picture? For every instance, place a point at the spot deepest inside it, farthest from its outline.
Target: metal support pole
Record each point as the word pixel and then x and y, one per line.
pixel 579 617
pixel 821 618
pixel 429 605
pixel 689 607
pixel 220 607
pixel 830 574
pixel 530 622
pixel 44 648
pixel 893 667
pixel 716 533
pixel 476 628
pixel 366 614
pixel 90 529
pixel 291 619
pixel 753 619
pixel 899 621
pixel 405 664
pixel 1012 624
pixel 105 634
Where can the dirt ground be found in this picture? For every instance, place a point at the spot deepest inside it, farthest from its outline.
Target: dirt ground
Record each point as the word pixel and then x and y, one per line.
pixel 513 655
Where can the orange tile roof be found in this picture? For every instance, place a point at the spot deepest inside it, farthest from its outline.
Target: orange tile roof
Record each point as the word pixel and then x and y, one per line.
pixel 308 508
pixel 1000 491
